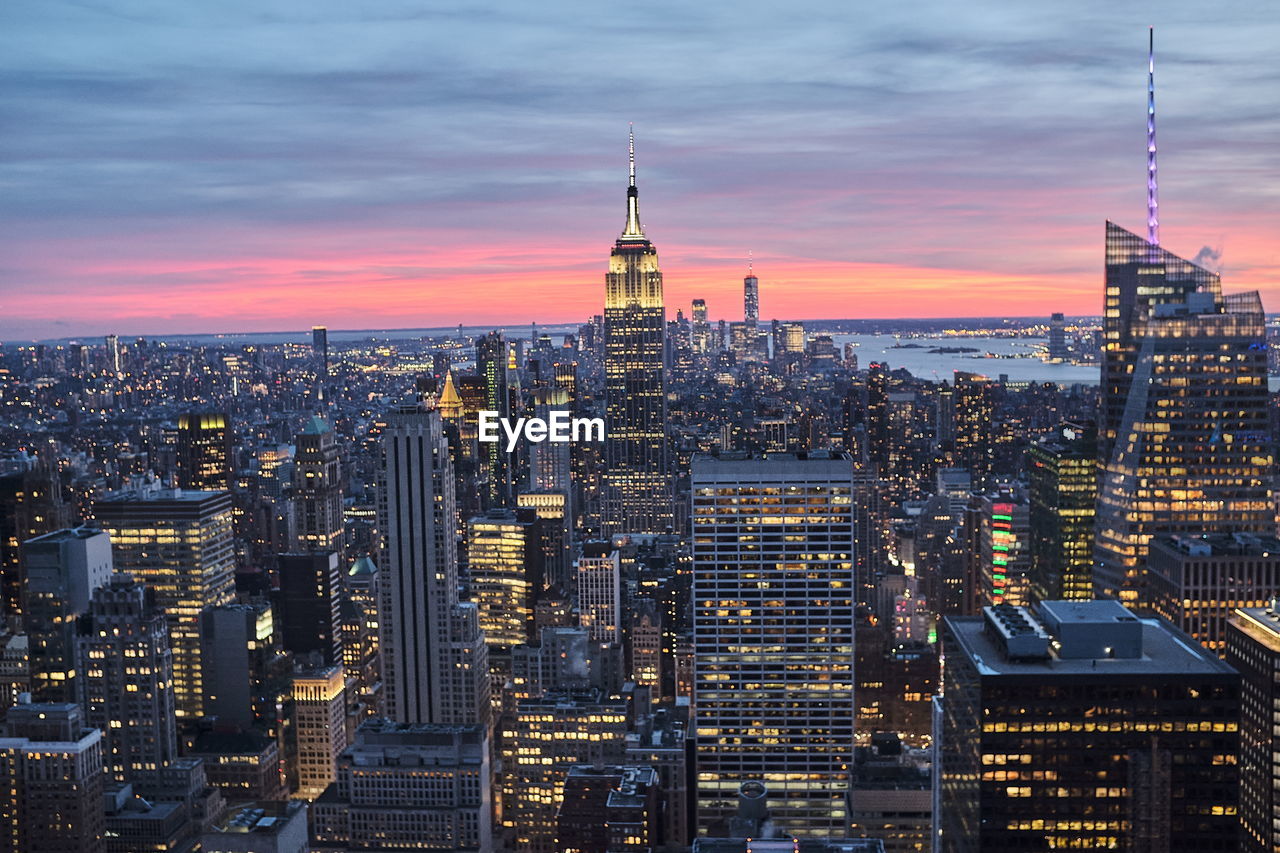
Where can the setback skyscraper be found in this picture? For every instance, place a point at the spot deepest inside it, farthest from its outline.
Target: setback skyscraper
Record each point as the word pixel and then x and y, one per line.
pixel 637 481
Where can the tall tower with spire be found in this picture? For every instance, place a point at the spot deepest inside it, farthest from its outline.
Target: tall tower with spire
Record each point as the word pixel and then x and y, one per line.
pixel 637 483
pixel 1184 445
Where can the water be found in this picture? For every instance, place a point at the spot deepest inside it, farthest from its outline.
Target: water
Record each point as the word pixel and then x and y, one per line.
pixel 1017 358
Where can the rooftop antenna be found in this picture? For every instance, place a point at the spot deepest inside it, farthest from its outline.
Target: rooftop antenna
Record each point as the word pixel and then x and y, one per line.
pixel 1153 204
pixel 631 150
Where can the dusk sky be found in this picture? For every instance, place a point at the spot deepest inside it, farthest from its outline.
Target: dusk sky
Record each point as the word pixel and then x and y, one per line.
pixel 246 165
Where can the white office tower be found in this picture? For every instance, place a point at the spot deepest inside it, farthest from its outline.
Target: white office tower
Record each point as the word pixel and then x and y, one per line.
pixel 773 583
pixel 434 659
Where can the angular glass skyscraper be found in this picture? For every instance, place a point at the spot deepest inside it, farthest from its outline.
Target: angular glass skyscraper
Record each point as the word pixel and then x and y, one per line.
pixel 1184 444
pixel 637 483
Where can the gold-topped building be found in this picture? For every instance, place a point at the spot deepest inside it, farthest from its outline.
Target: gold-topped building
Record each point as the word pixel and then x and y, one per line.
pixel 637 483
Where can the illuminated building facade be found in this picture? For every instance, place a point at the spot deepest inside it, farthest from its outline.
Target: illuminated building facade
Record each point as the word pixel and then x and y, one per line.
pixel 506 575
pixel 974 415
pixel 637 488
pixel 317 489
pixel 1062 493
pixel 545 737
pixel 319 709
pixel 436 776
pixel 434 659
pixel 204 451
pixel 1253 650
pixel 1196 582
pixel 773 595
pixel 1186 444
pixel 126 686
pixel 51 782
pixel 599 584
pixel 60 572
pixel 179 543
pixel 1081 726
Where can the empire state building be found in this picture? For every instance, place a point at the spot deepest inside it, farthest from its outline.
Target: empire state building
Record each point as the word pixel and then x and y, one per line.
pixel 637 483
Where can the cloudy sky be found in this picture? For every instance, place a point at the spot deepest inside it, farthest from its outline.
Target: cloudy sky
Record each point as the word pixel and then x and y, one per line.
pixel 273 164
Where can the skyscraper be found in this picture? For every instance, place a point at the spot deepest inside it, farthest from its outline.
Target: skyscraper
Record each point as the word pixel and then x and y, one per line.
pixel 637 483
pixel 1058 338
pixel 491 363
pixel 179 543
pixel 126 684
pixel 434 658
pixel 1081 726
pixel 317 488
pixel 751 300
pixel 308 602
pixel 204 451
pixel 1063 489
pixel 974 412
pixel 319 708
pixel 773 594
pixel 1186 444
pixel 506 575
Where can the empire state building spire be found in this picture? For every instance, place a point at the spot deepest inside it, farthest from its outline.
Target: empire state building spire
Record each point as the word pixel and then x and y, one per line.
pixel 633 230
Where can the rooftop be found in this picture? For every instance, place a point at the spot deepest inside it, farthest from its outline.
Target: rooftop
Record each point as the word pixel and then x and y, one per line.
pixel 1086 638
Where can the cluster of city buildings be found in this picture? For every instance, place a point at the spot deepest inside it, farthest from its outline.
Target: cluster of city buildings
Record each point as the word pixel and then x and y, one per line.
pixel 281 597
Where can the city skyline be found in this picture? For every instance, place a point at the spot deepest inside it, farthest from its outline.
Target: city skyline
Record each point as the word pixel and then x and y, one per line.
pixel 227 185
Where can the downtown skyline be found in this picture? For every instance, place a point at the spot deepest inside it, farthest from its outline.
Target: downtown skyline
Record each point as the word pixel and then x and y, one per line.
pixel 386 182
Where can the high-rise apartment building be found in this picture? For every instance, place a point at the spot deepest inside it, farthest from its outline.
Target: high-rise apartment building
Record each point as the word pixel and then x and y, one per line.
pixel 204 452
pixel 126 678
pixel 1185 445
pixel 434 659
pixel 1082 726
pixel 637 489
pixel 179 543
pixel 1062 492
pixel 61 570
pixel 773 597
